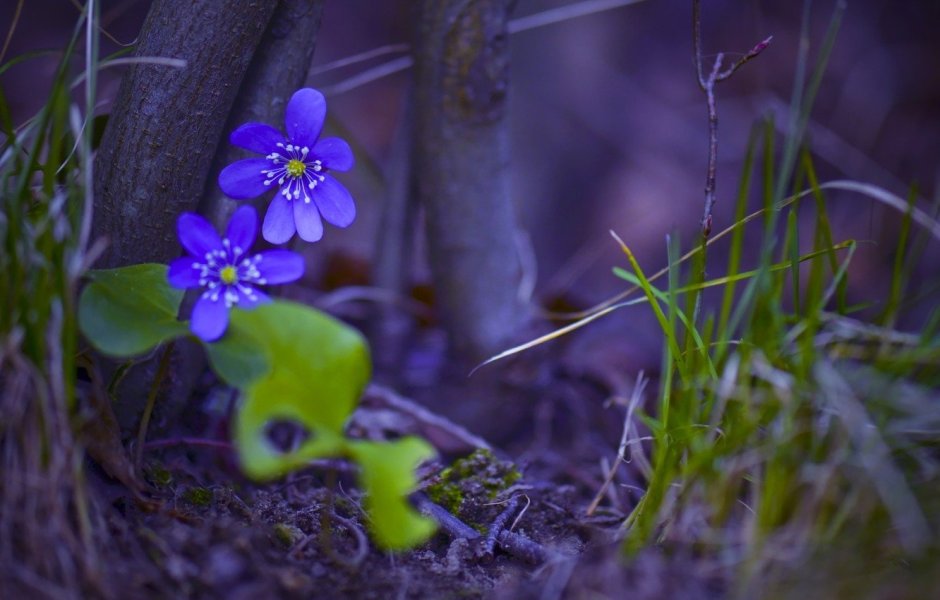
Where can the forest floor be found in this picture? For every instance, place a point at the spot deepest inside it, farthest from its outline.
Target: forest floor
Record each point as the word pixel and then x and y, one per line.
pixel 201 530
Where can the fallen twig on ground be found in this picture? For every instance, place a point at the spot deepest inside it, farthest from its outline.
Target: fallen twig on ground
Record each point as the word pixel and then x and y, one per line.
pixel 513 543
pixel 497 527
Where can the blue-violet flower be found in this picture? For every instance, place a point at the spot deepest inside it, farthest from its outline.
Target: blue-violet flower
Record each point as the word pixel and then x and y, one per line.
pixel 299 165
pixel 226 270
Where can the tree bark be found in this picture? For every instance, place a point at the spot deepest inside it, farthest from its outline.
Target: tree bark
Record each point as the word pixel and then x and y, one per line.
pixel 461 170
pixel 156 152
pixel 166 124
pixel 278 69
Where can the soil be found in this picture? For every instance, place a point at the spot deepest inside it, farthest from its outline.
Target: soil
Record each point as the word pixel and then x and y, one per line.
pixel 200 530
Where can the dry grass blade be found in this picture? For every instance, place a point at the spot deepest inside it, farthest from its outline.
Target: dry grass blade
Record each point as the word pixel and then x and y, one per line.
pixel 720 281
pixel 358 58
pixel 529 22
pixel 635 398
pixel 555 334
pixel 566 13
pixel 910 523
pixel 874 192
pixel 887 198
pixel 13 24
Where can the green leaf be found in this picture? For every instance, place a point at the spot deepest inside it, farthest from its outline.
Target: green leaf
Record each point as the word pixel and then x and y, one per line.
pixel 318 369
pixel 388 477
pixel 238 358
pixel 128 311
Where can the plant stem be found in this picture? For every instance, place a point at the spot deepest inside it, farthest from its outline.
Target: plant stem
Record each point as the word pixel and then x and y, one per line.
pixel 707 85
pixel 151 401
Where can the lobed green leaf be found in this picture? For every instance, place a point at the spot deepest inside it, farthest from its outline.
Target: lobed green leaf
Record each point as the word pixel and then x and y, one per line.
pixel 129 311
pixel 318 370
pixel 388 477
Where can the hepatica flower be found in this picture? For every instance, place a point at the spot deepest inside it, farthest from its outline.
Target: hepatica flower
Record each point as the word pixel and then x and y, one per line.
pixel 226 270
pixel 298 165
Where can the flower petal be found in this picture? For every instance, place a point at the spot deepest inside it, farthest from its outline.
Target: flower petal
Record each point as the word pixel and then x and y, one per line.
pixel 334 153
pixel 184 273
pixel 248 302
pixel 304 117
pixel 257 137
pixel 307 220
pixel 335 202
pixel 210 317
pixel 278 224
pixel 197 235
pixel 242 228
pixel 243 179
pixel 280 266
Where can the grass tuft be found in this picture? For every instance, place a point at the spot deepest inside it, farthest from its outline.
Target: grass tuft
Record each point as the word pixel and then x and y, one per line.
pixel 50 534
pixel 793 426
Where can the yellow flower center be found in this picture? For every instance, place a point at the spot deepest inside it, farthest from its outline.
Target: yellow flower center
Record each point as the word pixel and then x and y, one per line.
pixel 228 275
pixel 295 168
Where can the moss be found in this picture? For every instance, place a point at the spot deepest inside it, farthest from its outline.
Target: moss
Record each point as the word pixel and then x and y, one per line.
pixel 468 485
pixel 159 475
pixel 446 494
pixel 198 496
pixel 287 535
pixel 491 473
pixel 504 480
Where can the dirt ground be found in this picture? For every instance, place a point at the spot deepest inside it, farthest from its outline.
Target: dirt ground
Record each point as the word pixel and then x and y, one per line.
pixel 200 530
pixel 208 535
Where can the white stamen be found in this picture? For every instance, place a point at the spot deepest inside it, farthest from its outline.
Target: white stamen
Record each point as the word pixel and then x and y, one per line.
pixel 292 186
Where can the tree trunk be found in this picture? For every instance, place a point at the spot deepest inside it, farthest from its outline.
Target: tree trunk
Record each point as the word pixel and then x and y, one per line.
pixel 461 170
pixel 166 124
pixel 156 152
pixel 278 69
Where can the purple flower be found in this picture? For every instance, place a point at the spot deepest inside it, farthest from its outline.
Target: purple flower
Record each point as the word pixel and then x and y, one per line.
pixel 299 165
pixel 225 269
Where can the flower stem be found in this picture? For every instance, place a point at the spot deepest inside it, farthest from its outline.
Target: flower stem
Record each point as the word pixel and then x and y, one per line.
pixel 151 401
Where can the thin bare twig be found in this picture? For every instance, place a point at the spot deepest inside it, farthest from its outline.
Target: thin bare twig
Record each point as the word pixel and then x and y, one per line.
pixel 496 527
pixel 707 85
pixel 513 543
pixel 744 59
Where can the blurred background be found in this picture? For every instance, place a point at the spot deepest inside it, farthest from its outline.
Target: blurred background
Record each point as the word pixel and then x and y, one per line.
pixel 609 131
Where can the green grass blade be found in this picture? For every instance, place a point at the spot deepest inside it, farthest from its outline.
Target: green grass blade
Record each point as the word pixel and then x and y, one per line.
pixel 664 322
pixel 737 239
